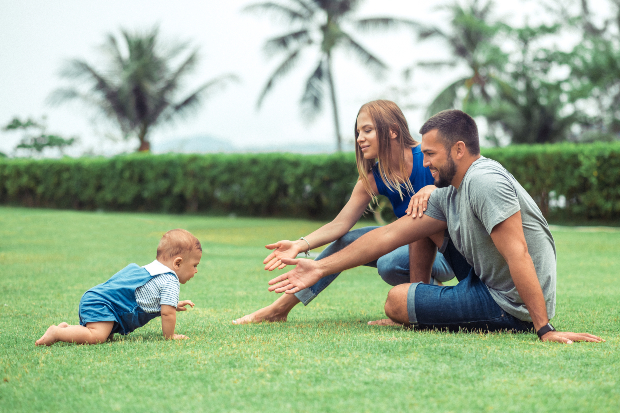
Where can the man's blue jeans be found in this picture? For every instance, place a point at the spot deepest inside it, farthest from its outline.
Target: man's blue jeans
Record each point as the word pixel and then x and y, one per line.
pixel 467 305
pixel 392 267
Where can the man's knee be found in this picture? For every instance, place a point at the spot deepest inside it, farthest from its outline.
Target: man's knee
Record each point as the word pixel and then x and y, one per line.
pixel 396 304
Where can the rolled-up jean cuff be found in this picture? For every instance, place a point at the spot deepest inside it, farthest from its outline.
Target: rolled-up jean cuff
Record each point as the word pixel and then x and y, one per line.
pixel 413 319
pixel 305 296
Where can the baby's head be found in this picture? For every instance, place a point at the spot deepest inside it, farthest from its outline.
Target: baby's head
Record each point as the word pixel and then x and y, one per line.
pixel 180 251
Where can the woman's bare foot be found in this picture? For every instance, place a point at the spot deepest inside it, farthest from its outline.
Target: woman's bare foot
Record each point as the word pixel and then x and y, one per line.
pixel 276 312
pixel 384 322
pixel 48 338
pixel 261 315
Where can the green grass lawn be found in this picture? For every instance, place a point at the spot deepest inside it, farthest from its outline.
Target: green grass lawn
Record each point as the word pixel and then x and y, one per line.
pixel 325 359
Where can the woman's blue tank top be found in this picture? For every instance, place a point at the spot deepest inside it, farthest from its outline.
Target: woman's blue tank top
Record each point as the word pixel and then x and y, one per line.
pixel 420 177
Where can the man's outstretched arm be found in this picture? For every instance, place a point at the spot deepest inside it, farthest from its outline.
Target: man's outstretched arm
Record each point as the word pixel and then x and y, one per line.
pixel 510 241
pixel 367 248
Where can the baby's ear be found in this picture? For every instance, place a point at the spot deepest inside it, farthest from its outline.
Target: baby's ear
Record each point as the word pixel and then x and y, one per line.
pixel 177 261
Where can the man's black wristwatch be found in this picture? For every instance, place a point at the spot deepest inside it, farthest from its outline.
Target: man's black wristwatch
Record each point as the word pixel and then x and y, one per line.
pixel 544 330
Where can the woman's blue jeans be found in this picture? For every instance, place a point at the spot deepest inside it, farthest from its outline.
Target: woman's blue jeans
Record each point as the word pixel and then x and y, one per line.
pixel 393 267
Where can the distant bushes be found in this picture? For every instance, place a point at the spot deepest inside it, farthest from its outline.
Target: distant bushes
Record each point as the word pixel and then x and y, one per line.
pixel 293 185
pixel 585 176
pixel 308 186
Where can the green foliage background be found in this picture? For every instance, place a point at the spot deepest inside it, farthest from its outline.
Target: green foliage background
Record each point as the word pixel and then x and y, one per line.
pixel 288 185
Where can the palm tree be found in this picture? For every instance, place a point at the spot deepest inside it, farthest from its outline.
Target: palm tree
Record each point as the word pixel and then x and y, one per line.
pixel 471 42
pixel 139 86
pixel 321 24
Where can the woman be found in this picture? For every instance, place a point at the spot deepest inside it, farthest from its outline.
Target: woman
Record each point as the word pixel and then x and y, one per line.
pixel 382 134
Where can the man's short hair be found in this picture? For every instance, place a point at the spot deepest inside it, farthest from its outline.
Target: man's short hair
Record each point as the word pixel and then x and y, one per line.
pixel 454 125
pixel 177 242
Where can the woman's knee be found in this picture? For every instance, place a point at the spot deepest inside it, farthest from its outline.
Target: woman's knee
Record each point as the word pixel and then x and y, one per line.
pixel 392 276
pixel 393 271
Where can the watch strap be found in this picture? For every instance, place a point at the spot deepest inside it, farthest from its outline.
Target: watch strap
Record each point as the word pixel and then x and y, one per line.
pixel 544 330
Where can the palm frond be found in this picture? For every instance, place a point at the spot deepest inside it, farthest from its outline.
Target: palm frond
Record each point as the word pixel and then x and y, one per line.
pixel 437 64
pixel 192 101
pixel 288 13
pixel 80 70
pixel 445 99
pixel 431 32
pixel 287 42
pixel 312 98
pixel 366 58
pixel 112 48
pixel 308 6
pixel 288 63
pixel 172 82
pixel 386 23
pixel 62 95
pixel 482 12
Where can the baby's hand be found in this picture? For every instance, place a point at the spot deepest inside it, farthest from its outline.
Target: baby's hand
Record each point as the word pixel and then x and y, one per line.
pixel 179 337
pixel 182 304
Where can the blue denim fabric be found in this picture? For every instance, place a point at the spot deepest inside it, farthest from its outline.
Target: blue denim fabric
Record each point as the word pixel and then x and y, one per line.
pixel 467 305
pixel 393 267
pixel 115 300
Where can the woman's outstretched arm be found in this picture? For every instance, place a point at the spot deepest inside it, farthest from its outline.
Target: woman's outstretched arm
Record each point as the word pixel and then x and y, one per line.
pixel 344 221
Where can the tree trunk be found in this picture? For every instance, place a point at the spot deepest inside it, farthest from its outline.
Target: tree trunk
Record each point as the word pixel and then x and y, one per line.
pixel 332 93
pixel 145 145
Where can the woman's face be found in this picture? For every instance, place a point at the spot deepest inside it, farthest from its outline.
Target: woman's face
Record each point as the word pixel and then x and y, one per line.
pixel 367 136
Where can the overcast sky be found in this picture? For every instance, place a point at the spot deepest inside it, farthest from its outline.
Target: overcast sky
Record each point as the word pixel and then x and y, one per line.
pixel 37 36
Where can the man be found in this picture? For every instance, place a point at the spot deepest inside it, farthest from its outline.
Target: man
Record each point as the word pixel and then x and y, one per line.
pixel 499 245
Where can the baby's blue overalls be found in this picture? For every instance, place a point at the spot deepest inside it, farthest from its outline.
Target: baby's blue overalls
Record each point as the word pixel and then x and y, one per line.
pixel 115 300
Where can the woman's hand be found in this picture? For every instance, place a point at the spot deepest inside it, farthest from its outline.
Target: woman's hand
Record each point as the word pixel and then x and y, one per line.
pixel 281 249
pixel 419 201
pixel 181 305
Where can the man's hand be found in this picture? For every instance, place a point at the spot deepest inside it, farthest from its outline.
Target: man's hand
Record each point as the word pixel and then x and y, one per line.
pixel 282 249
pixel 568 338
pixel 509 240
pixel 181 305
pixel 419 202
pixel 305 274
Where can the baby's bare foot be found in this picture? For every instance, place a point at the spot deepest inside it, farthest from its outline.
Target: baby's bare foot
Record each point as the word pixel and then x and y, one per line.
pixel 48 338
pixel 383 322
pixel 262 315
pixel 63 325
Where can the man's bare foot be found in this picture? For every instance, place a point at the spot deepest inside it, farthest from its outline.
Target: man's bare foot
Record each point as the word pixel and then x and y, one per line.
pixel 384 322
pixel 48 338
pixel 63 325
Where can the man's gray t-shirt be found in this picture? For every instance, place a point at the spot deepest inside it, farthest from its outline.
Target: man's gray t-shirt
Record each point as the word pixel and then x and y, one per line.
pixel 487 196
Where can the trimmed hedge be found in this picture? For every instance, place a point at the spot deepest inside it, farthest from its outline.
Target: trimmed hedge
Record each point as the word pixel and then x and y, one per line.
pixel 308 186
pixel 259 185
pixel 586 175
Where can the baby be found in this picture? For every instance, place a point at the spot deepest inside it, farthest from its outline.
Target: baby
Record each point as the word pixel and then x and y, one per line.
pixel 135 295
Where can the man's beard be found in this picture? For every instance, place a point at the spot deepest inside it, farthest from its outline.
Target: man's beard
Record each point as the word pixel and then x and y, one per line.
pixel 445 174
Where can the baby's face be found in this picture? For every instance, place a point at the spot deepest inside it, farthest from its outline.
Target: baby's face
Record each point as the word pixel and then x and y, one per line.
pixel 189 266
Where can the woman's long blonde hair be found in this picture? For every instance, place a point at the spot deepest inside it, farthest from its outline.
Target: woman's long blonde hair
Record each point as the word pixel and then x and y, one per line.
pixel 386 116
